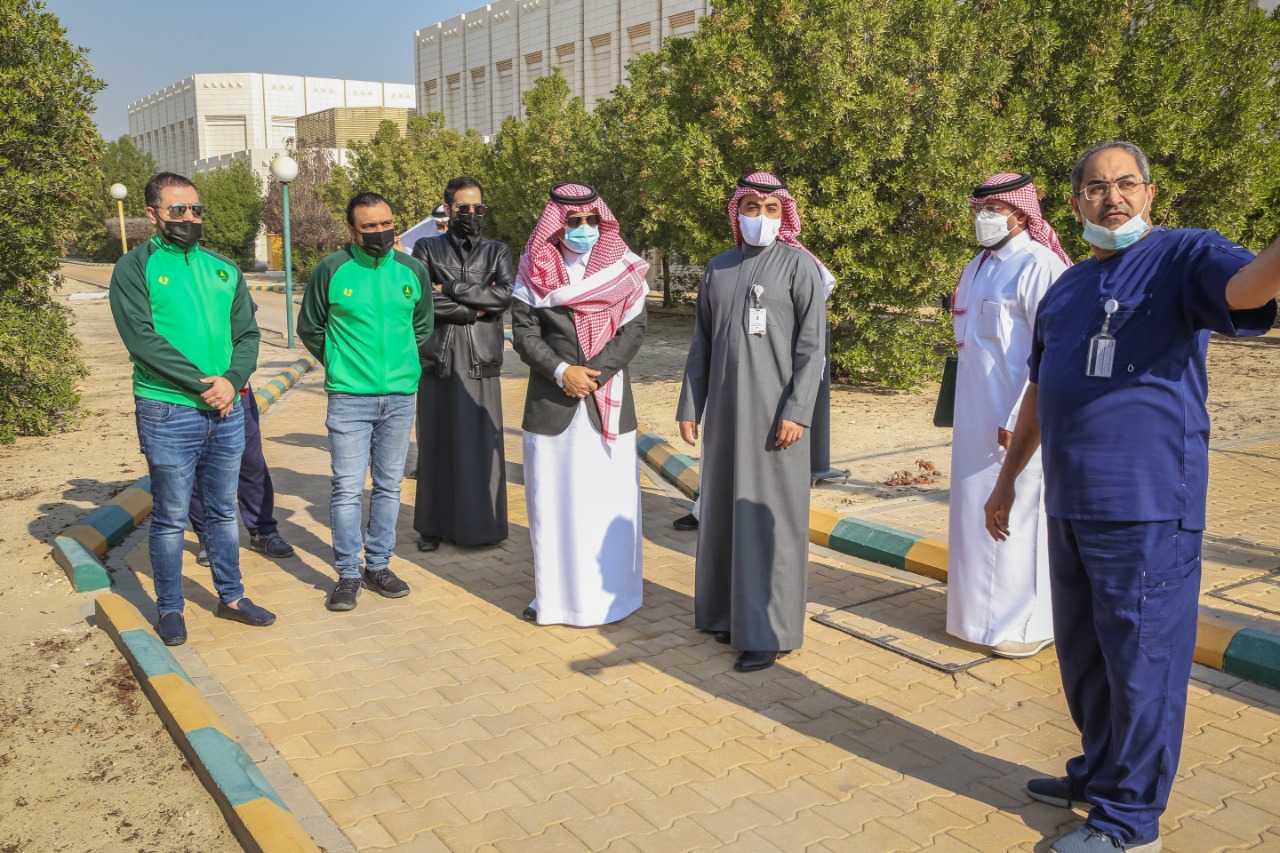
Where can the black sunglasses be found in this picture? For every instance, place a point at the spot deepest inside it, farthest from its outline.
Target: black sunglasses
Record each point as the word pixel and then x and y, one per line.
pixel 477 209
pixel 574 220
pixel 177 211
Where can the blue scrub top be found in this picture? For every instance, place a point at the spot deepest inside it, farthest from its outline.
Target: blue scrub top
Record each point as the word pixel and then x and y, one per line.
pixel 1135 446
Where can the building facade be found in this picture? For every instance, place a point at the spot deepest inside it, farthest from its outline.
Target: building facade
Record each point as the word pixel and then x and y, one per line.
pixel 208 120
pixel 475 67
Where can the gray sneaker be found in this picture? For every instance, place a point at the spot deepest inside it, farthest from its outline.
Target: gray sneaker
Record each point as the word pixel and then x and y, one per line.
pixel 271 544
pixel 344 594
pixel 385 583
pixel 1086 839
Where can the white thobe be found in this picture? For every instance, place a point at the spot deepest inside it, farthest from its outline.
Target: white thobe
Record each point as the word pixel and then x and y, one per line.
pixel 583 498
pixel 997 591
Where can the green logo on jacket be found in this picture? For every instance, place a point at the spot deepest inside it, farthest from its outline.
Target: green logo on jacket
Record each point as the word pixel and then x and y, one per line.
pixel 408 292
pixel 222 274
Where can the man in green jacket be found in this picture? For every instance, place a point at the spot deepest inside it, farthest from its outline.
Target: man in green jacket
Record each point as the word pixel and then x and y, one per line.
pixel 186 319
pixel 365 315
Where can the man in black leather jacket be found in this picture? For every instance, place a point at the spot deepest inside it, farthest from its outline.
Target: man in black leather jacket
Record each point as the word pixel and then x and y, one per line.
pixel 462 484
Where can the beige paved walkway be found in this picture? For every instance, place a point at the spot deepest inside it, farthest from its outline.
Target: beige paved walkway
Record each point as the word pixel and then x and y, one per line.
pixel 442 721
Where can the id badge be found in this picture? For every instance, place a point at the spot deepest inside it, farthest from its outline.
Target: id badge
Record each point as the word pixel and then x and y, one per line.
pixel 1102 354
pixel 755 321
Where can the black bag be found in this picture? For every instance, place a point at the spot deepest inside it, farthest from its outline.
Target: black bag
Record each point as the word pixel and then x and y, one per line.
pixel 944 413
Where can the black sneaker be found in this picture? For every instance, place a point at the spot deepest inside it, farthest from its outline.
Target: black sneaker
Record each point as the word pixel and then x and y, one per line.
pixel 271 544
pixel 385 583
pixel 1056 791
pixel 344 594
pixel 172 628
pixel 202 559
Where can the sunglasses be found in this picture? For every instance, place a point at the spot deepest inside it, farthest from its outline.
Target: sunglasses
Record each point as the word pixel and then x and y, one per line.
pixel 477 209
pixel 177 211
pixel 576 220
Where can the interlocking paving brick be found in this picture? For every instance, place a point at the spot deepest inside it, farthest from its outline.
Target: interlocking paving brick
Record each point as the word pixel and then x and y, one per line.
pixel 442 721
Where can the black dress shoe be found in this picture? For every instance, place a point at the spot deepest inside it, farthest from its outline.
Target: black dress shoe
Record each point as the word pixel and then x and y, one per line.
pixel 752 661
pixel 172 629
pixel 530 614
pixel 429 543
pixel 688 522
pixel 721 637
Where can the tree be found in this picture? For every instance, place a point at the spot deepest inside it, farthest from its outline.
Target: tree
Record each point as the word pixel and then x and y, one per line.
pixel 883 115
pixel 410 170
pixel 49 154
pixel 233 198
pixel 314 229
pixel 122 163
pixel 557 141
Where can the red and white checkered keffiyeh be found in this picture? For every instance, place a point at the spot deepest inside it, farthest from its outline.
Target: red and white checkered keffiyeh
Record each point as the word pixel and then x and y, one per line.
pixel 790 216
pixel 611 293
pixel 1024 198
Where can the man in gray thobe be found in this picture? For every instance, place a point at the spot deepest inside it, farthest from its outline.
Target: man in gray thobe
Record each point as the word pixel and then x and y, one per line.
pixel 753 372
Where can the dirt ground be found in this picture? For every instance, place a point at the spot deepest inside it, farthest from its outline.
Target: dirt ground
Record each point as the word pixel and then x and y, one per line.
pixel 85 764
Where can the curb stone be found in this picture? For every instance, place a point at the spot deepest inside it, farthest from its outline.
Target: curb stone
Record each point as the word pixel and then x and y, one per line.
pixel 1220 644
pixel 256 814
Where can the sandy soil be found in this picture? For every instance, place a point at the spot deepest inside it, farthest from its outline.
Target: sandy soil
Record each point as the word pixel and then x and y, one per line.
pixel 85 764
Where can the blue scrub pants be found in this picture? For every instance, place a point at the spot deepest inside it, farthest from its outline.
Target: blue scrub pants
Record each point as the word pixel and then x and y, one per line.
pixel 1125 601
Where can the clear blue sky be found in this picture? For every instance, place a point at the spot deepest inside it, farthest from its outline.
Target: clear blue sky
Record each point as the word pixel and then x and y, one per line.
pixel 139 46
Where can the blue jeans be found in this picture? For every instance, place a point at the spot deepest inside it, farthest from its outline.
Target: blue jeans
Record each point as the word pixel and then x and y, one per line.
pixel 190 448
pixel 367 432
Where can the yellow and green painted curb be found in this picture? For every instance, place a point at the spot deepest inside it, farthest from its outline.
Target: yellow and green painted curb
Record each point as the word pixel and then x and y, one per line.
pixel 1222 645
pixel 257 816
pixel 298 287
pixel 80 548
pixel 274 388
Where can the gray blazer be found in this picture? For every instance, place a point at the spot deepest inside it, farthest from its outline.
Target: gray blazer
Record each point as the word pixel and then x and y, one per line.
pixel 544 337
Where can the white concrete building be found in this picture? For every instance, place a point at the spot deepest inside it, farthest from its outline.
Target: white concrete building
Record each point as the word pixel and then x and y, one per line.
pixel 207 120
pixel 473 68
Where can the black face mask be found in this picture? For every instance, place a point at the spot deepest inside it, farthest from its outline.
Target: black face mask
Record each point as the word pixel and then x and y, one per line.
pixel 376 244
pixel 183 234
pixel 467 224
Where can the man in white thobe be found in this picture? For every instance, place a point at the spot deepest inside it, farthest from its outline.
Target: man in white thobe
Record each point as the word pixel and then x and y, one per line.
pixel 998 592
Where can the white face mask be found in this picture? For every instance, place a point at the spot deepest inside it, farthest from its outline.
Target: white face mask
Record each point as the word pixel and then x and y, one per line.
pixel 759 230
pixel 991 227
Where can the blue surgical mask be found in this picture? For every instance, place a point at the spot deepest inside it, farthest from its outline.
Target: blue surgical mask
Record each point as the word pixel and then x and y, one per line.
pixel 582 238
pixel 1121 238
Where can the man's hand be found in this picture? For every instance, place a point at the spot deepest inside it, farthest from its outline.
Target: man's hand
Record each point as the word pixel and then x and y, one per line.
pixel 789 433
pixel 439 288
pixel 1003 437
pixel 579 381
pixel 220 396
pixel 997 510
pixel 689 432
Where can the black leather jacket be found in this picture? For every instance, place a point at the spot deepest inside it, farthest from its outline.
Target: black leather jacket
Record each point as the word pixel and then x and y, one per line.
pixel 471 280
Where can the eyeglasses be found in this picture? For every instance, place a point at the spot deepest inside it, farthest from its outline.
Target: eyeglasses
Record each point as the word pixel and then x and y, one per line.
pixel 577 220
pixel 477 209
pixel 178 211
pixel 992 210
pixel 1101 189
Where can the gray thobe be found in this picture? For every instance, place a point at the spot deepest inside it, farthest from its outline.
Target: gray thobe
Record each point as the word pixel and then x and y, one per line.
pixel 753 536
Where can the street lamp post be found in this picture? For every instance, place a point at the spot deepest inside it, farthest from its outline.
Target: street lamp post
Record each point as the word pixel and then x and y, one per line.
pixel 118 192
pixel 284 169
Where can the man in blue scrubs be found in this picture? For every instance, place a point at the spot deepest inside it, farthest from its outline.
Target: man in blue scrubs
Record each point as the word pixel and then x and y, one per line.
pixel 1117 398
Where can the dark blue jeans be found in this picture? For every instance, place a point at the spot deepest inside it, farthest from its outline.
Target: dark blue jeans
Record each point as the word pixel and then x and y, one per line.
pixel 255 495
pixel 190 448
